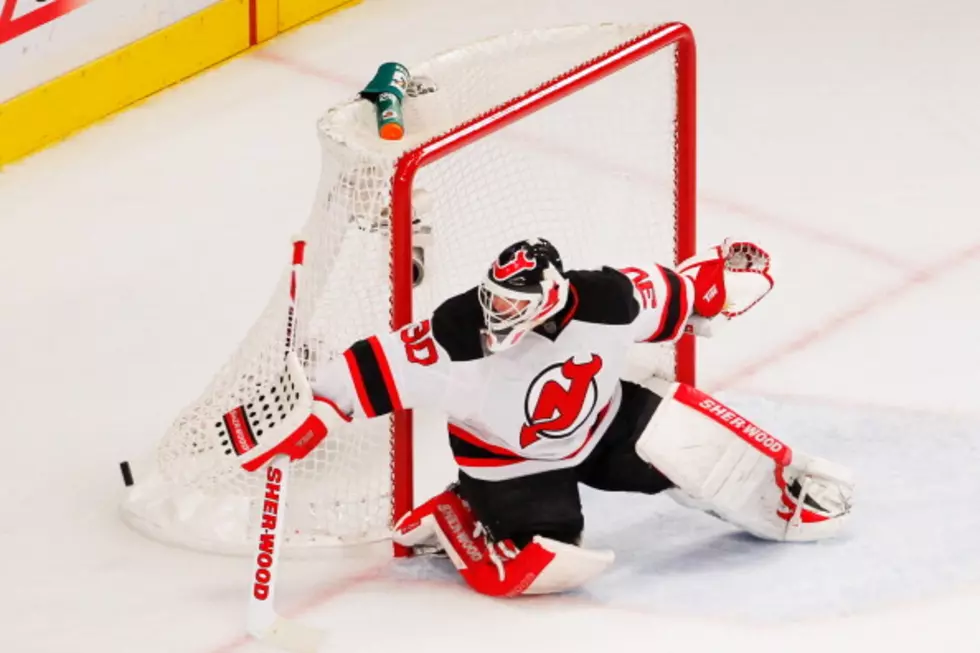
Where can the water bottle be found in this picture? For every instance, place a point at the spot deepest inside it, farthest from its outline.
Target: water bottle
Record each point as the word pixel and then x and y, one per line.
pixel 386 91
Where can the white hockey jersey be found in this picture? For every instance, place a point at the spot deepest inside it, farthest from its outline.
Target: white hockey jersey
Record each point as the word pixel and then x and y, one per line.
pixel 544 403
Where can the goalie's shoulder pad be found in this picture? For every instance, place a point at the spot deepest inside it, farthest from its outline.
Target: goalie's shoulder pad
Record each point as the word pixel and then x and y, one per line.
pixel 603 296
pixel 457 324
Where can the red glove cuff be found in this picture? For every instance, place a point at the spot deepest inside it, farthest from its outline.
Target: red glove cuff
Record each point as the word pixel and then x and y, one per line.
pixel 709 287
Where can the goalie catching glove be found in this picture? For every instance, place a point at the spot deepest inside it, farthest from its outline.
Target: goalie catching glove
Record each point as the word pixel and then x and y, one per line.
pixel 284 418
pixel 544 566
pixel 729 278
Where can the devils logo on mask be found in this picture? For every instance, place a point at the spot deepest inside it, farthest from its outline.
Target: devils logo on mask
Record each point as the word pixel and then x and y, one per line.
pixel 515 266
pixel 560 400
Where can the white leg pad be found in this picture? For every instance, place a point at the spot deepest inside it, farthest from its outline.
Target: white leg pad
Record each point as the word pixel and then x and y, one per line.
pixel 724 464
pixel 571 567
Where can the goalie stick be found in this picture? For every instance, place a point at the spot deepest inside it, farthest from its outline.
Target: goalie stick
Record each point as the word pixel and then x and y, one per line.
pixel 262 621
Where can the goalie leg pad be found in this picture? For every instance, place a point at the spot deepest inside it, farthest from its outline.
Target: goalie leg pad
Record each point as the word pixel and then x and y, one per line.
pixel 725 465
pixel 500 569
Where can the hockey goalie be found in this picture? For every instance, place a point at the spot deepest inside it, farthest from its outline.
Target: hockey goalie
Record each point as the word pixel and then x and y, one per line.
pixel 528 366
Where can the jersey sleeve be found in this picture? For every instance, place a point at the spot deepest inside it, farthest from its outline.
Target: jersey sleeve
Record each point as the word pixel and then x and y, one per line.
pixel 380 374
pixel 412 367
pixel 666 301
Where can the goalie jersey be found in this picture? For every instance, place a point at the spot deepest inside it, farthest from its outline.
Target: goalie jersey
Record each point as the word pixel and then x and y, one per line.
pixel 540 405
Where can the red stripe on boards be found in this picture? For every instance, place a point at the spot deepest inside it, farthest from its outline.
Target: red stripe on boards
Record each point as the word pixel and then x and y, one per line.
pixel 253 28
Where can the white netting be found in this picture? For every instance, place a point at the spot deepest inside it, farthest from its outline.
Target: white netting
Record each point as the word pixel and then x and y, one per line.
pixel 593 173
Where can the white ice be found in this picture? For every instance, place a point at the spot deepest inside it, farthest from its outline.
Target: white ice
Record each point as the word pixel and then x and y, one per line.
pixel 843 135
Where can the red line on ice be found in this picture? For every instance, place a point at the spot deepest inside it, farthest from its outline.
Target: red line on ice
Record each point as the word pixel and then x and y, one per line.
pixel 835 323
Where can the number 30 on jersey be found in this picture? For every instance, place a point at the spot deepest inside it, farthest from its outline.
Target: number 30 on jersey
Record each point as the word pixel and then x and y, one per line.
pixel 420 348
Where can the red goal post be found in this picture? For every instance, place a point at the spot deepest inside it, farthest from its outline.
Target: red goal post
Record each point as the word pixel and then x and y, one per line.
pixel 586 74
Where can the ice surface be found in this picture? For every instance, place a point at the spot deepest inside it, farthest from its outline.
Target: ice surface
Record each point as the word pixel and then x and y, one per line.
pixel 842 135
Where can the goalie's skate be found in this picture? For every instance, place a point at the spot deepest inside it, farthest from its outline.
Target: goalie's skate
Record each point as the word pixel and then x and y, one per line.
pixel 817 498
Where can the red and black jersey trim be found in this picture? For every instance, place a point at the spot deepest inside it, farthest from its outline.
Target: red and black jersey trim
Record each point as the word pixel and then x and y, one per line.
pixel 470 451
pixel 373 381
pixel 674 307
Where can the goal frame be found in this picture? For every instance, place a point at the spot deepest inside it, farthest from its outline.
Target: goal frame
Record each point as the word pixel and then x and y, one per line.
pixel 583 75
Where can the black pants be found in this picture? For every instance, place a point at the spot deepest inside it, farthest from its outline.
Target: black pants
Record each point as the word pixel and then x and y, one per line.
pixel 548 503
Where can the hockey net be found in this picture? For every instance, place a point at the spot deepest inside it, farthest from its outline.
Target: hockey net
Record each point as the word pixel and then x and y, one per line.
pixel 583 135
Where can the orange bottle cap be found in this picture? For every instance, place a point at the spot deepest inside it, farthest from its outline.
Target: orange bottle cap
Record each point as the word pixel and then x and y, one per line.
pixel 391 131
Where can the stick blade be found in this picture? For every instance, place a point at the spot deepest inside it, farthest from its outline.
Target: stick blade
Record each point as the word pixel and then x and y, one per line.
pixel 292 636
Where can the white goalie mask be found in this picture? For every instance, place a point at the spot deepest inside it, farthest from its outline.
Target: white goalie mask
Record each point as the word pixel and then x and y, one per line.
pixel 522 289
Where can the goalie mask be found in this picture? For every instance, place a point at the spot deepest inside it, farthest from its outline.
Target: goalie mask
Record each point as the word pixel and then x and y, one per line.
pixel 523 288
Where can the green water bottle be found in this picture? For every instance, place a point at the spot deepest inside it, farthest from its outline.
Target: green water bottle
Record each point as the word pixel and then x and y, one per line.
pixel 386 91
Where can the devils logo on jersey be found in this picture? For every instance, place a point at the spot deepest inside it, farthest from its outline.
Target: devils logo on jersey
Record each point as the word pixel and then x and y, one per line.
pixel 560 399
pixel 515 266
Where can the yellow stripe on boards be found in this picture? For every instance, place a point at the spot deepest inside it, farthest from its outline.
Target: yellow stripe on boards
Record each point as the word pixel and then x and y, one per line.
pixel 52 111
pixel 296 12
pixel 266 19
